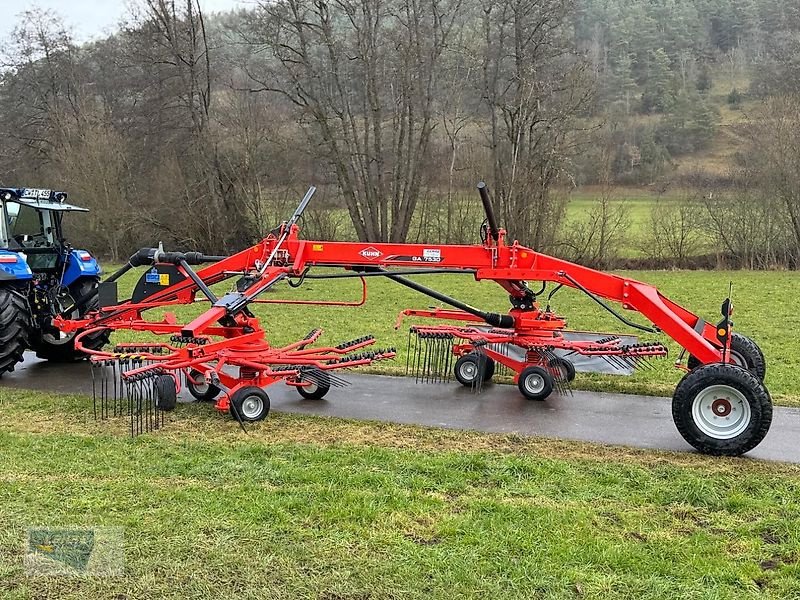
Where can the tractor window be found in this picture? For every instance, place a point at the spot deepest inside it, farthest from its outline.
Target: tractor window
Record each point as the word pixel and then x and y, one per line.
pixel 28 227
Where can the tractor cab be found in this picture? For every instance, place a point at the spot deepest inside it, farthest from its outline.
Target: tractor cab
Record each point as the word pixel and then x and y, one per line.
pixel 31 231
pixel 42 277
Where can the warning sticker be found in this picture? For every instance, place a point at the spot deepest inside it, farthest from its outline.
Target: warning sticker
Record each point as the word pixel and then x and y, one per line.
pixel 153 276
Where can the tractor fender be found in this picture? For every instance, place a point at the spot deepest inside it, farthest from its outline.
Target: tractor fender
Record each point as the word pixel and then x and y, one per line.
pixel 80 264
pixel 18 270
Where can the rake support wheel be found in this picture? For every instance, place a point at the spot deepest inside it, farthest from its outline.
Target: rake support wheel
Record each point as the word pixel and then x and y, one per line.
pixel 535 383
pixel 166 392
pixel 318 386
pixel 250 404
pixel 200 388
pixel 471 366
pixel 722 409
pixel 565 368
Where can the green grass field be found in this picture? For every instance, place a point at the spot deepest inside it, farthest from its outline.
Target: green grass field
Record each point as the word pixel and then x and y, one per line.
pixel 764 310
pixel 324 508
pixel 307 507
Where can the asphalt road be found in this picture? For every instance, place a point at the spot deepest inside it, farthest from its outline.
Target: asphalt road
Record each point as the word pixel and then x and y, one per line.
pixel 639 421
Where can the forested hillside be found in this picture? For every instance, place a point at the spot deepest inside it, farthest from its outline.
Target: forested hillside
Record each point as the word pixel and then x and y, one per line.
pixel 200 130
pixel 681 62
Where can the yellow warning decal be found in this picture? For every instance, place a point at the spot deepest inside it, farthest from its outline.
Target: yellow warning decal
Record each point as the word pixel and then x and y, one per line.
pixel 317 247
pixel 163 279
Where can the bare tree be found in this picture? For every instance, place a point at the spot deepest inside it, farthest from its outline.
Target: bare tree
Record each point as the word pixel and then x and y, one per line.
pixel 533 88
pixel 363 73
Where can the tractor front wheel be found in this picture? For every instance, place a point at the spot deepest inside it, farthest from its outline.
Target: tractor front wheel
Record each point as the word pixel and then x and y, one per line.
pixel 61 347
pixel 15 327
pixel 744 353
pixel 722 409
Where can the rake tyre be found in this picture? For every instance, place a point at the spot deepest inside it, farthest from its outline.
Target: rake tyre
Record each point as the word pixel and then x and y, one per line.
pixel 722 409
pixel 63 350
pixel 317 388
pixel 15 327
pixel 200 388
pixel 166 392
pixel 565 368
pixel 471 366
pixel 488 371
pixel 535 383
pixel 745 353
pixel 250 404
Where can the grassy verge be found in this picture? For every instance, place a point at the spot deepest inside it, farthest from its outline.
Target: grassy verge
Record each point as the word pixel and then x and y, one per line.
pixel 325 508
pixel 765 310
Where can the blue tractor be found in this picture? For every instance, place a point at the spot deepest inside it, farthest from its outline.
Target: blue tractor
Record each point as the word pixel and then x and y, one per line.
pixel 41 277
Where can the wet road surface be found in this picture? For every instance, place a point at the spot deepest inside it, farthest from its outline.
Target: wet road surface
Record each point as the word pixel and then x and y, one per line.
pixel 639 421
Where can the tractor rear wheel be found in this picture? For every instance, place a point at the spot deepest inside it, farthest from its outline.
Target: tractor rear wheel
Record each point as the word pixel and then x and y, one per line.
pixel 722 409
pixel 62 348
pixel 745 353
pixel 15 327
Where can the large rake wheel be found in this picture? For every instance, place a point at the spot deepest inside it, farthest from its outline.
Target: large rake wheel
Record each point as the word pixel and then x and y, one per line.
pixel 744 353
pixel 722 409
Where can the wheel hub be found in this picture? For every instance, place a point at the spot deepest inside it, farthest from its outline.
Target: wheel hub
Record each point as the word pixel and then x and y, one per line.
pixel 534 383
pixel 251 407
pixel 721 407
pixel 721 412
pixel 200 384
pixel 469 370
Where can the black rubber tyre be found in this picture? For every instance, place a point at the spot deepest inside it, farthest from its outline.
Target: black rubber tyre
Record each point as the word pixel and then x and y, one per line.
pixel 250 404
pixel 318 388
pixel 15 327
pixel 488 371
pixel 746 353
pixel 204 392
pixel 65 351
pixel 565 366
pixel 535 383
pixel 722 409
pixel 166 392
pixel 471 366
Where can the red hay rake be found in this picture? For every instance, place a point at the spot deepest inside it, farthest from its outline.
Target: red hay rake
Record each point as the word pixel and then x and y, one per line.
pixel 721 405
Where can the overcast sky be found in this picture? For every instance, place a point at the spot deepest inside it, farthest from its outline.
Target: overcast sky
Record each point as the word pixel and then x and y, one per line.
pixel 90 18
